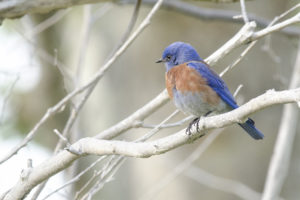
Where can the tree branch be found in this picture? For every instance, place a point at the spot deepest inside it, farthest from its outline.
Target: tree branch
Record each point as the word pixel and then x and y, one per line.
pixel 98 147
pixel 215 14
pixel 18 8
pixel 276 27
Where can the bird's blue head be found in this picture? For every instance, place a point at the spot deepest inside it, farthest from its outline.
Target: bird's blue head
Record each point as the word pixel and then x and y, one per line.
pixel 178 53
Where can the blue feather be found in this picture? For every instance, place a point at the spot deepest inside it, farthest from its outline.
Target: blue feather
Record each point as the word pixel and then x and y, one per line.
pixel 215 82
pixel 219 86
pixel 249 127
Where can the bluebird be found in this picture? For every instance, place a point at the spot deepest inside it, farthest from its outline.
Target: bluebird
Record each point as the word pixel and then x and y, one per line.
pixel 195 88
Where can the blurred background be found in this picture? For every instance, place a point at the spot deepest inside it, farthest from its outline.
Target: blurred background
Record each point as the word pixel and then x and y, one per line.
pixel 30 82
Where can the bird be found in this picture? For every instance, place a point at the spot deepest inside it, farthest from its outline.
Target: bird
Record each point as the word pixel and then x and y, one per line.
pixel 196 89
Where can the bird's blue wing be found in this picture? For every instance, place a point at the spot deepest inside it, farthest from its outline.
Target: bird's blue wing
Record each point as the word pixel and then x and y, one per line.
pixel 215 82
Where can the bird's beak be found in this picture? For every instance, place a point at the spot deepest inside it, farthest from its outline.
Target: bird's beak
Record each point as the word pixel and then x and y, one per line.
pixel 160 61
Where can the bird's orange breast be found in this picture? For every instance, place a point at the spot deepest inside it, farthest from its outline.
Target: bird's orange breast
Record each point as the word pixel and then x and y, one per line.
pixel 186 79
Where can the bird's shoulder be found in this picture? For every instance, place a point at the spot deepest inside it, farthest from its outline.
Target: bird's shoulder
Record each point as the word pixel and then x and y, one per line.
pixel 212 78
pixel 214 81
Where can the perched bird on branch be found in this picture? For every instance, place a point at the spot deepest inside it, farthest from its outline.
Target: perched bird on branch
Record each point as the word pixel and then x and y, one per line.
pixel 195 88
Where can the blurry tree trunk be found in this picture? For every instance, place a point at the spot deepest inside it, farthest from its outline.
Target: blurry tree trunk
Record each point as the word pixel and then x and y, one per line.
pixel 279 165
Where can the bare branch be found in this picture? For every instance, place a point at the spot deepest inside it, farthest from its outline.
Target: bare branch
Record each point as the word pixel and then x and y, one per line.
pixel 18 8
pixel 104 147
pixel 7 96
pixel 276 27
pixel 267 45
pixel 281 16
pixel 244 12
pixel 216 14
pixel 179 123
pixel 47 23
pixel 237 40
pixel 246 35
pixel 146 149
pixel 138 115
pixel 131 24
pixel 61 137
pixel 241 56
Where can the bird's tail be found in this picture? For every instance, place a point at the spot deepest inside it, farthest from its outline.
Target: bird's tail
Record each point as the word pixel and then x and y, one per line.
pixel 249 127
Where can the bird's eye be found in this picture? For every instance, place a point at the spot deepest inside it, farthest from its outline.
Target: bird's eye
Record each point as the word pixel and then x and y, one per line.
pixel 168 58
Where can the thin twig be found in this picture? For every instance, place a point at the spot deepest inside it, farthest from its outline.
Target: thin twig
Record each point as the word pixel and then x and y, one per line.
pixel 237 90
pixel 157 127
pixel 130 26
pixel 281 16
pixel 50 21
pixel 76 178
pixel 170 125
pixel 7 96
pixel 32 32
pixel 267 45
pixel 293 20
pixel 223 184
pixel 241 56
pixel 84 40
pixel 63 138
pixel 104 176
pixel 244 12
pixel 96 175
pixel 179 169
pixel 138 115
pixel 215 14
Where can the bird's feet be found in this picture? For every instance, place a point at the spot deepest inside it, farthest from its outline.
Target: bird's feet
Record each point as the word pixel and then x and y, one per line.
pixel 195 121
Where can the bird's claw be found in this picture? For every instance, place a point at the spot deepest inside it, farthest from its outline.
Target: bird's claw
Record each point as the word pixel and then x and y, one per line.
pixel 188 129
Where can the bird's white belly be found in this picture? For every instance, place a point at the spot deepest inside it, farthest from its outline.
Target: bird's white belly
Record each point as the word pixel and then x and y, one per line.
pixel 193 103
